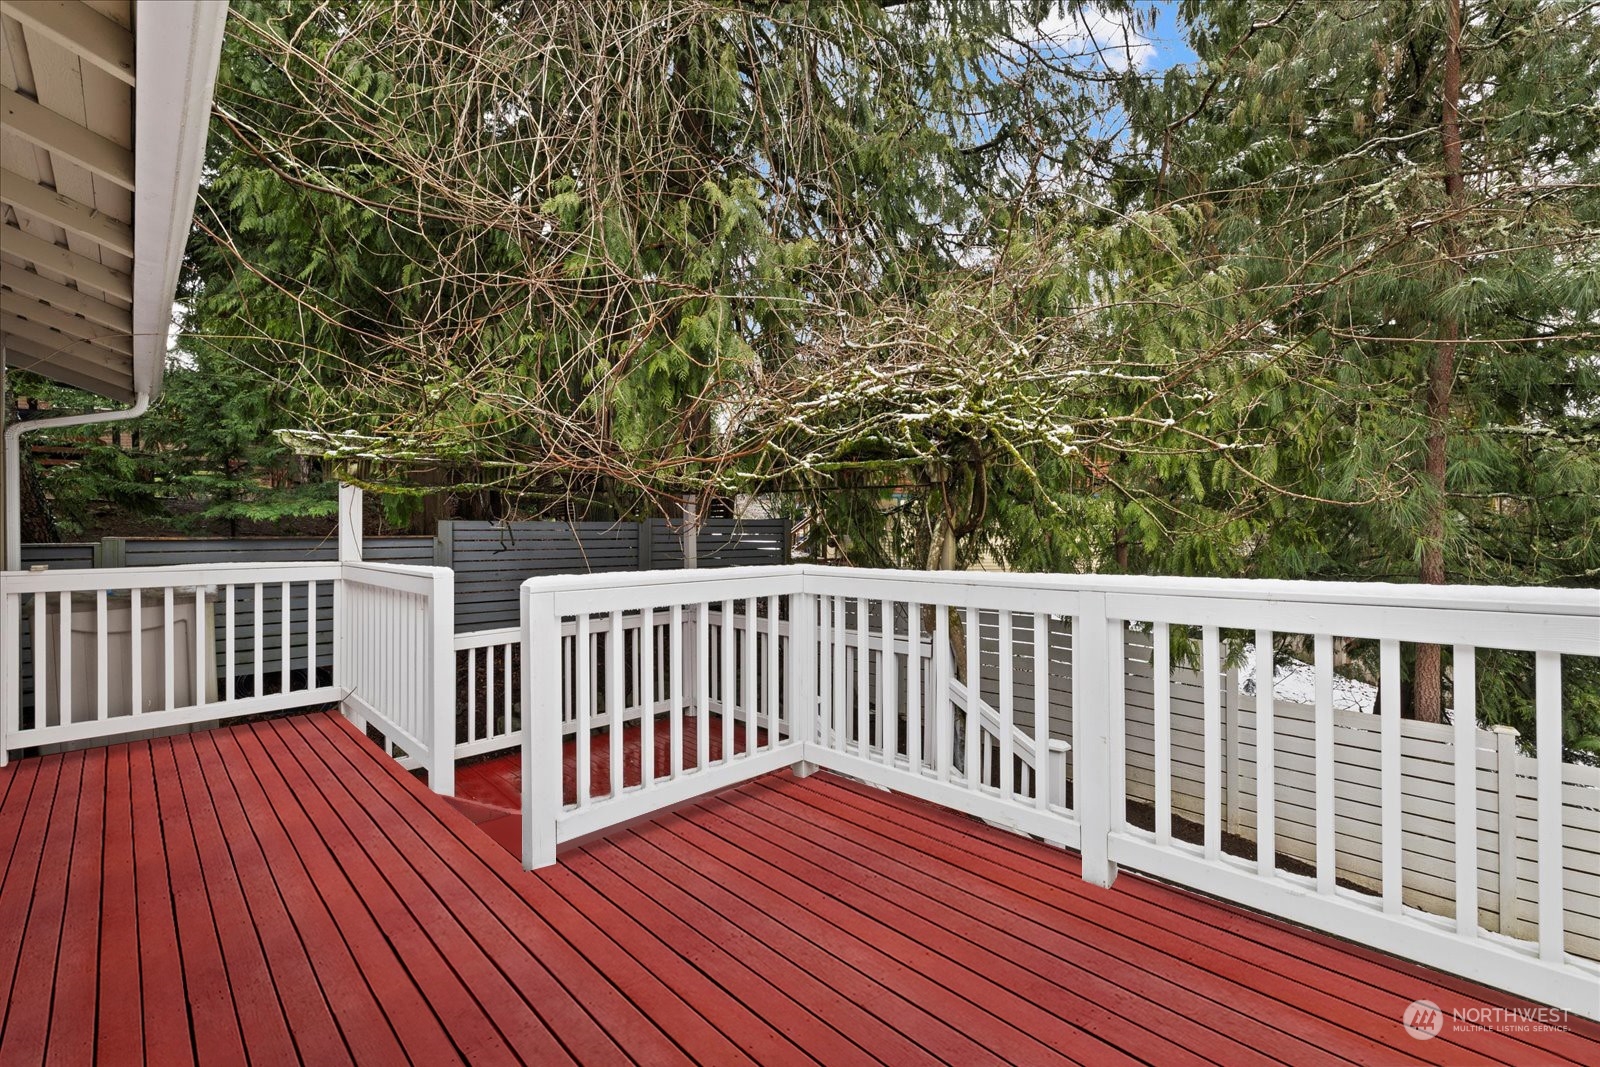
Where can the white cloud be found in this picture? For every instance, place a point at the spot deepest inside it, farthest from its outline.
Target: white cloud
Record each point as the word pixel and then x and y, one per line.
pixel 1113 37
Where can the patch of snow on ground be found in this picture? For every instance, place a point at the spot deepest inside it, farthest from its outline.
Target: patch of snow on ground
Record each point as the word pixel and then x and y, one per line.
pixel 1294 682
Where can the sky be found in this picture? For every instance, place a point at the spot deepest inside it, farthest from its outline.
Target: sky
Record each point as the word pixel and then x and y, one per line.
pixel 1168 41
pixel 1164 47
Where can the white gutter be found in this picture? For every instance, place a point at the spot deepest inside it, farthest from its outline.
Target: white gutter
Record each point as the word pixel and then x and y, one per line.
pixel 179 47
pixel 13 460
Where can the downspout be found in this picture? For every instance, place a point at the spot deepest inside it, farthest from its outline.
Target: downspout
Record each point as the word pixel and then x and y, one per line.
pixel 13 460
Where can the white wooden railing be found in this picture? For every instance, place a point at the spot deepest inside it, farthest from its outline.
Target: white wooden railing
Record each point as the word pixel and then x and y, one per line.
pixel 99 654
pixel 489 715
pixel 489 707
pixel 115 653
pixel 396 666
pixel 902 721
pixel 716 693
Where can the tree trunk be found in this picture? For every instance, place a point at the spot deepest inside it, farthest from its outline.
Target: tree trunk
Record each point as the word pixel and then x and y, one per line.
pixel 1441 370
pixel 689 532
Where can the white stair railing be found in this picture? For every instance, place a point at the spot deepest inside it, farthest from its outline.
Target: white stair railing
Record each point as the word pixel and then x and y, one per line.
pixel 1022 747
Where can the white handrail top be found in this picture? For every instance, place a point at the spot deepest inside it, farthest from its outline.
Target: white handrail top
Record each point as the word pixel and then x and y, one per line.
pixel 90 579
pixel 567 583
pixel 1544 600
pixel 504 635
pixel 416 569
pixel 1488 598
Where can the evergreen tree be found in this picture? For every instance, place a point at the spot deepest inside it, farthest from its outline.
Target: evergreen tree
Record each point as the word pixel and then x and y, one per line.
pixel 203 460
pixel 1408 194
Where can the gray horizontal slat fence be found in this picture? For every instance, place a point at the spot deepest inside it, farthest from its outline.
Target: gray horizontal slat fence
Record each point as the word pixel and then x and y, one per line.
pixel 723 543
pixel 59 557
pixel 410 551
pixel 490 560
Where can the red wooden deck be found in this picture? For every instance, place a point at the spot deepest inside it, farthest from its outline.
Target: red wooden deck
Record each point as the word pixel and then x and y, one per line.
pixel 280 892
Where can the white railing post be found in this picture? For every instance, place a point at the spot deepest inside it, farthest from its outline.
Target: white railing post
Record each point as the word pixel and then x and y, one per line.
pixel 442 699
pixel 1093 682
pixel 349 552
pixel 802 677
pixel 350 524
pixel 541 728
pixel 10 667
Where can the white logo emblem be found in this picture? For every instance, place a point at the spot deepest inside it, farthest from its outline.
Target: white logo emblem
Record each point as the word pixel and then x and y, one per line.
pixel 1423 1020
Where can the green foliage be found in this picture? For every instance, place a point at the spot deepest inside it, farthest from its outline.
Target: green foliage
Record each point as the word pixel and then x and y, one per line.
pixel 1310 138
pixel 545 247
pixel 202 460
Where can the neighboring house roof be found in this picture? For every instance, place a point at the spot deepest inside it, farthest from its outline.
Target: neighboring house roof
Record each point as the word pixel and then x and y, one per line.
pixel 104 107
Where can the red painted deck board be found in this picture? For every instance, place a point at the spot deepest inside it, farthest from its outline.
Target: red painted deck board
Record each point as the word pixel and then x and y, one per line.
pixel 282 891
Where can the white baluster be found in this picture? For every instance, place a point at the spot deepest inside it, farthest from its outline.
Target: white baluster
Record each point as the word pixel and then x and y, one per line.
pixel 975 764
pixel 1322 734
pixel 1389 773
pixel 863 677
pixel 676 644
pixel 774 653
pixel 888 698
pixel 749 690
pixel 228 655
pixel 1266 759
pixel 1161 681
pixel 286 637
pixel 41 658
pixel 1041 709
pixel 914 721
pixel 702 652
pixel 616 698
pixel 647 697
pixel 727 679
pixel 102 668
pixel 1465 728
pixel 1547 741
pixel 840 677
pixel 944 713
pixel 168 650
pixel 1008 703
pixel 259 642
pixel 584 694
pixel 1211 681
